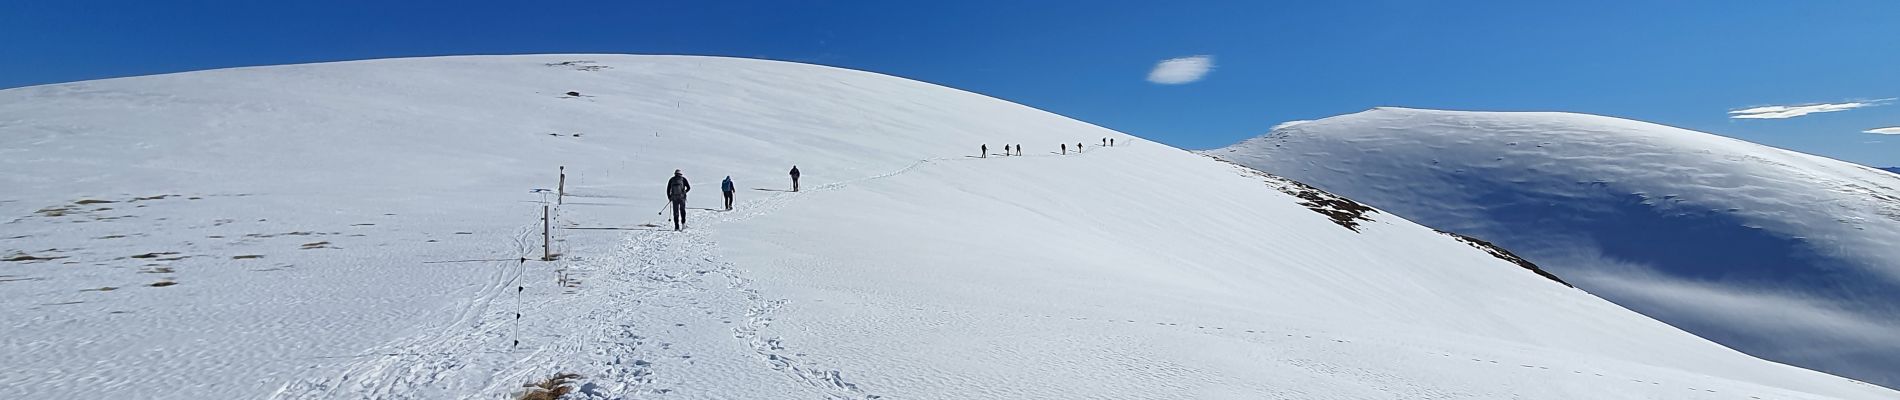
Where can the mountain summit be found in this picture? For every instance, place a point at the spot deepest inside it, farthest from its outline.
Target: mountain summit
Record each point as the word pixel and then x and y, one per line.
pixel 1781 254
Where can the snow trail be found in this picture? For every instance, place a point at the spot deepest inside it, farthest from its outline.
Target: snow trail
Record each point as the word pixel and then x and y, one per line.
pixel 639 287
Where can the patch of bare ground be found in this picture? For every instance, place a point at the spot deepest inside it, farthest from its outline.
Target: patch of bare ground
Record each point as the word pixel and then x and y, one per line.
pixel 1505 255
pixel 23 257
pixel 551 389
pixel 1342 211
pixel 163 283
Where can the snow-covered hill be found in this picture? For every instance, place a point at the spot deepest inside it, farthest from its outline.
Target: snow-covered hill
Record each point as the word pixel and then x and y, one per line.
pixel 366 230
pixel 1781 254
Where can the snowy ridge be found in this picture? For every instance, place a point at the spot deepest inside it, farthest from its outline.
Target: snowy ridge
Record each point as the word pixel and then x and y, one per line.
pixel 1778 253
pixel 367 230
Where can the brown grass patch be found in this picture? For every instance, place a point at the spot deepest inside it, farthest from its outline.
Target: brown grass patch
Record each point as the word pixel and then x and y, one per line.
pixel 102 289
pixel 247 257
pixel 163 283
pixel 551 389
pixel 93 201
pixel 315 245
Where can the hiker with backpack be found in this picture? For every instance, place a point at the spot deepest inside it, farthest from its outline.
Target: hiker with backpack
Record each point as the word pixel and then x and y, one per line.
pixel 726 187
pixel 676 189
pixel 794 178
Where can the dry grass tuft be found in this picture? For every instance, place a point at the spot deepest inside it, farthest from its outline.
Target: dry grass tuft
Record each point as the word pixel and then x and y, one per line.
pixel 552 388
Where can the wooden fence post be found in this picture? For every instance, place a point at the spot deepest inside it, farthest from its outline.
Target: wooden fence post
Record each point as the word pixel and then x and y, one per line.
pixel 561 190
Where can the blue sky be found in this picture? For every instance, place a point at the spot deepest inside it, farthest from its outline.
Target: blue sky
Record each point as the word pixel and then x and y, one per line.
pixel 1681 63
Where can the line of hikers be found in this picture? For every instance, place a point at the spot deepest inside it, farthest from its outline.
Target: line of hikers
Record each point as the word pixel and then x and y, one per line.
pixel 677 187
pixel 983 151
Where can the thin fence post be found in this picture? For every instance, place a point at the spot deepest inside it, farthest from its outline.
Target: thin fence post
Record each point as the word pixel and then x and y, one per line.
pixel 561 190
pixel 547 253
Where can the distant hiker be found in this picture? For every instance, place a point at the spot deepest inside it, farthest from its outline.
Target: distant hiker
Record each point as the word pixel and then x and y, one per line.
pixel 1019 149
pixel 1104 142
pixel 726 187
pixel 1111 142
pixel 676 189
pixel 1065 149
pixel 983 151
pixel 794 178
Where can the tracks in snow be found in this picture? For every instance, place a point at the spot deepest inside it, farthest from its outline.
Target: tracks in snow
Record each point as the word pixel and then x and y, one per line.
pixel 642 325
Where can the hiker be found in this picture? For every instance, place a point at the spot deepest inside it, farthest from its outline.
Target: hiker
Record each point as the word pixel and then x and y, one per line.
pixel 794 178
pixel 726 187
pixel 1078 147
pixel 1104 142
pixel 1019 149
pixel 983 151
pixel 1111 142
pixel 1065 149
pixel 676 189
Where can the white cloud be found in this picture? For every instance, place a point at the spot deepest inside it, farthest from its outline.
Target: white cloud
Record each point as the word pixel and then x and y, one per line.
pixel 1177 71
pixel 1780 112
pixel 1290 123
pixel 1840 335
pixel 1891 130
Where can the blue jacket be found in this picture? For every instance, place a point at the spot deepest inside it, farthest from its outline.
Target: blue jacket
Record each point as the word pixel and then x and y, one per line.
pixel 727 185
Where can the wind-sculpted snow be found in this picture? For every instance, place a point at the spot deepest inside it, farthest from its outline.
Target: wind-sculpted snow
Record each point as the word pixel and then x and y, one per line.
pixel 1781 254
pixel 373 229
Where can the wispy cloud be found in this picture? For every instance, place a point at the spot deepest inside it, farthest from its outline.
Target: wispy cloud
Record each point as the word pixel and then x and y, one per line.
pixel 1891 130
pixel 1175 71
pixel 1843 336
pixel 1780 112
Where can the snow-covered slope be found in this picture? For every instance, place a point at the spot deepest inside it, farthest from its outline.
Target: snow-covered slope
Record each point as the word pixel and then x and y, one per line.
pixel 1892 169
pixel 359 230
pixel 1781 254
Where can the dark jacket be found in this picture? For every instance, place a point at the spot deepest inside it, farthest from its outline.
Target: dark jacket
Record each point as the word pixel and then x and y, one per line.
pixel 677 187
pixel 726 185
pixel 794 172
